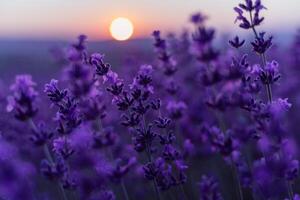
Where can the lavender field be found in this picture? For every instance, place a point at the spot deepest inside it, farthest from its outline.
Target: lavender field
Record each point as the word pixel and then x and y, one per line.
pixel 188 115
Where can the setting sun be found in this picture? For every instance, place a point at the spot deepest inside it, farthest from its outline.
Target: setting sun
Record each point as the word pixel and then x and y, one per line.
pixel 121 28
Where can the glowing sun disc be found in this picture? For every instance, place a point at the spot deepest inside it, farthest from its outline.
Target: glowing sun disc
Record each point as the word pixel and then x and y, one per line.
pixel 121 28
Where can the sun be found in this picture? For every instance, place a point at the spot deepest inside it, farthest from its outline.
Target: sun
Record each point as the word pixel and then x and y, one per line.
pixel 121 28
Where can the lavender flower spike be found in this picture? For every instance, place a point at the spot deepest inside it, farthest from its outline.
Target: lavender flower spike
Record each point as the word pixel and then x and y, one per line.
pixel 23 99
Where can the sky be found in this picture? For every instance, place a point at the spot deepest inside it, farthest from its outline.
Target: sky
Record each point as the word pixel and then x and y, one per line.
pixel 62 19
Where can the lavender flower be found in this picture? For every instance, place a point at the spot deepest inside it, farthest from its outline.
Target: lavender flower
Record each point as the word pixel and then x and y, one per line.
pixel 166 61
pixel 270 73
pixel 198 18
pixel 63 147
pixel 143 138
pixel 120 170
pixel 209 188
pixel 23 99
pixel 204 36
pixel 53 171
pixel 102 68
pixel 236 43
pixel 249 7
pixel 42 136
pixel 107 137
pixel 260 45
pixel 176 109
pixel 54 93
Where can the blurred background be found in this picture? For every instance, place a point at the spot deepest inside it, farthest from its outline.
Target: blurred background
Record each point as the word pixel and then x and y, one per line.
pixel 31 29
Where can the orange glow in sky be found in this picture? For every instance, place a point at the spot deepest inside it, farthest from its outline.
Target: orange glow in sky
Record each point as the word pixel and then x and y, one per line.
pixel 66 19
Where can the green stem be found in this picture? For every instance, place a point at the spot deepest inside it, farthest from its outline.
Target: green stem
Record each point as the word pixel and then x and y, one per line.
pixel 264 61
pixel 252 26
pixel 157 190
pixel 183 192
pixel 270 99
pixel 234 170
pixel 240 193
pixel 47 153
pixel 62 190
pixel 148 152
pixel 290 190
pixel 48 156
pixel 111 157
pixel 125 192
